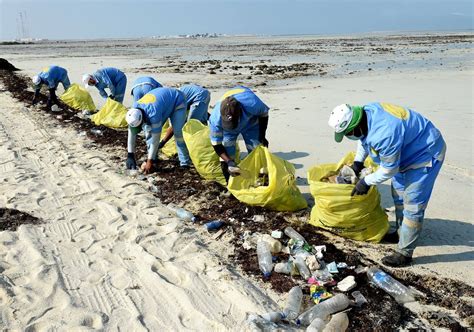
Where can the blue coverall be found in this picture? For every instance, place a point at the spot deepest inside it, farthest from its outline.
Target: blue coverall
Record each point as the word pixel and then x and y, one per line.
pixel 113 79
pixel 142 86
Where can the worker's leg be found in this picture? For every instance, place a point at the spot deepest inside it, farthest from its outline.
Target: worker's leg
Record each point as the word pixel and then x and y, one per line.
pixel 418 188
pixel 398 188
pixel 198 111
pixel 178 119
pixel 66 83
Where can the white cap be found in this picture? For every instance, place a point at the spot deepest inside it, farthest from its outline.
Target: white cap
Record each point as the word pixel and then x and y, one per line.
pixel 36 80
pixel 86 78
pixel 340 118
pixel 134 117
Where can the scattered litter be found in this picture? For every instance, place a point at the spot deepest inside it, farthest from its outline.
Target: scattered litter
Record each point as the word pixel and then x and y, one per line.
pixel 341 265
pixel 275 245
pixel 97 132
pixel 361 269
pixel 258 218
pixel 319 251
pixel 55 108
pixel 397 290
pixel 214 225
pixel 312 263
pixel 360 300
pixel 332 267
pixel 219 233
pixel 346 284
pixel 277 234
pixel 319 293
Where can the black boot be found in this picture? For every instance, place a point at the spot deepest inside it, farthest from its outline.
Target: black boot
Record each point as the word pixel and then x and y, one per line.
pixel 396 260
pixel 391 237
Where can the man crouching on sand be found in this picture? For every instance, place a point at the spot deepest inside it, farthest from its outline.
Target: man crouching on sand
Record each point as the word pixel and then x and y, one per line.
pixel 409 149
pixel 149 113
pixel 239 111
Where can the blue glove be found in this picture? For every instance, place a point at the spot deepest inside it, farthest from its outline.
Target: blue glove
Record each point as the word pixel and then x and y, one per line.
pixel 131 163
pixel 361 188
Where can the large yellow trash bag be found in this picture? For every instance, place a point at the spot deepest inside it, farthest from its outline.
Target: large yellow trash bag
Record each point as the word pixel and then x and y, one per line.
pixel 355 217
pixel 111 115
pixel 281 193
pixel 203 156
pixel 170 147
pixel 78 98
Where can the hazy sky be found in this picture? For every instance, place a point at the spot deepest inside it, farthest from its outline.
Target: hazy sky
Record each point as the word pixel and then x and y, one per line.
pixel 73 19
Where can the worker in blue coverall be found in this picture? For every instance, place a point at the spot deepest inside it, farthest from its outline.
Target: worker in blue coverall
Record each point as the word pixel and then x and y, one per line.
pixel 142 86
pixel 111 78
pixel 409 149
pixel 239 111
pixel 50 76
pixel 150 113
pixel 197 104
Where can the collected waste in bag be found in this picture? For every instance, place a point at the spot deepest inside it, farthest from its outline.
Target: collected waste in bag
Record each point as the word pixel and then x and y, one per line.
pixel 111 115
pixel 357 217
pixel 170 147
pixel 268 181
pixel 78 98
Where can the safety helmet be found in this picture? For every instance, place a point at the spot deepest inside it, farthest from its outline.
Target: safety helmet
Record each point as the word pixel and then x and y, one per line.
pixel 36 80
pixel 134 117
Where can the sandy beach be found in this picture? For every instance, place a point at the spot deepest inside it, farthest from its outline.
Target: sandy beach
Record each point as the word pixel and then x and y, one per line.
pixel 109 255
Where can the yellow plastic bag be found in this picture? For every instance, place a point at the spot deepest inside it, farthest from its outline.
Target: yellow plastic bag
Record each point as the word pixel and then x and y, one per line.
pixel 170 147
pixel 111 115
pixel 78 98
pixel 355 217
pixel 203 156
pixel 281 194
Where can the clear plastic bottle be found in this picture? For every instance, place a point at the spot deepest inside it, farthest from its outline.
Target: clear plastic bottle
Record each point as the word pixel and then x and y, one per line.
pixel 302 267
pixel 264 258
pixel 322 310
pixel 181 213
pixel 317 325
pixel 273 316
pixel 398 291
pixel 292 234
pixel 293 303
pixel 338 323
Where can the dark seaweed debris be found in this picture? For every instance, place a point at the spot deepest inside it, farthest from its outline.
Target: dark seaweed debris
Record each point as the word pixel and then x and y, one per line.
pixel 11 219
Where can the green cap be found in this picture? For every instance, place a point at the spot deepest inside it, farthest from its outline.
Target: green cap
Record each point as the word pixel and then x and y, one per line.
pixel 356 117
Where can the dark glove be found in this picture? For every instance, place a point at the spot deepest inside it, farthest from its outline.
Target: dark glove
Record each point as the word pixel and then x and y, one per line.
pixel 234 170
pixel 357 166
pixel 112 97
pixel 264 142
pixel 161 145
pixel 131 163
pixel 361 188
pixel 35 97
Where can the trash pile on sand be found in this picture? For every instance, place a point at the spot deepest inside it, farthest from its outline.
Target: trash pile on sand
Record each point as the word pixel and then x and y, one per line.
pixel 332 295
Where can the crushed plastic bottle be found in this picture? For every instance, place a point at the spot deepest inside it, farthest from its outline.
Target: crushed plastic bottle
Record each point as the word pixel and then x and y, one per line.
pixel 288 268
pixel 293 304
pixel 264 258
pixel 359 299
pixel 302 268
pixel 317 325
pixel 324 309
pixel 181 213
pixel 397 290
pixel 274 316
pixel 292 234
pixel 338 323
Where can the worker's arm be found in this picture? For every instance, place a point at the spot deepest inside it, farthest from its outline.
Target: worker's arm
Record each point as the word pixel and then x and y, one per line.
pixel 262 129
pixel 361 155
pixel 169 133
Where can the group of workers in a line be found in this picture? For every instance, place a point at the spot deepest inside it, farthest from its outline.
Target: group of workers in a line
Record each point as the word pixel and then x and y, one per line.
pixel 408 148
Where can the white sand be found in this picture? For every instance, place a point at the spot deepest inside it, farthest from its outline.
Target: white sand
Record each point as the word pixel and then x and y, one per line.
pixel 108 256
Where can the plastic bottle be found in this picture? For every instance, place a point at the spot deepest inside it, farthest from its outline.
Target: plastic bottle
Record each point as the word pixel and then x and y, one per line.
pixel 273 316
pixel 317 325
pixel 398 291
pixel 275 245
pixel 322 310
pixel 181 213
pixel 338 323
pixel 293 303
pixel 264 258
pixel 302 267
pixel 214 225
pixel 292 234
